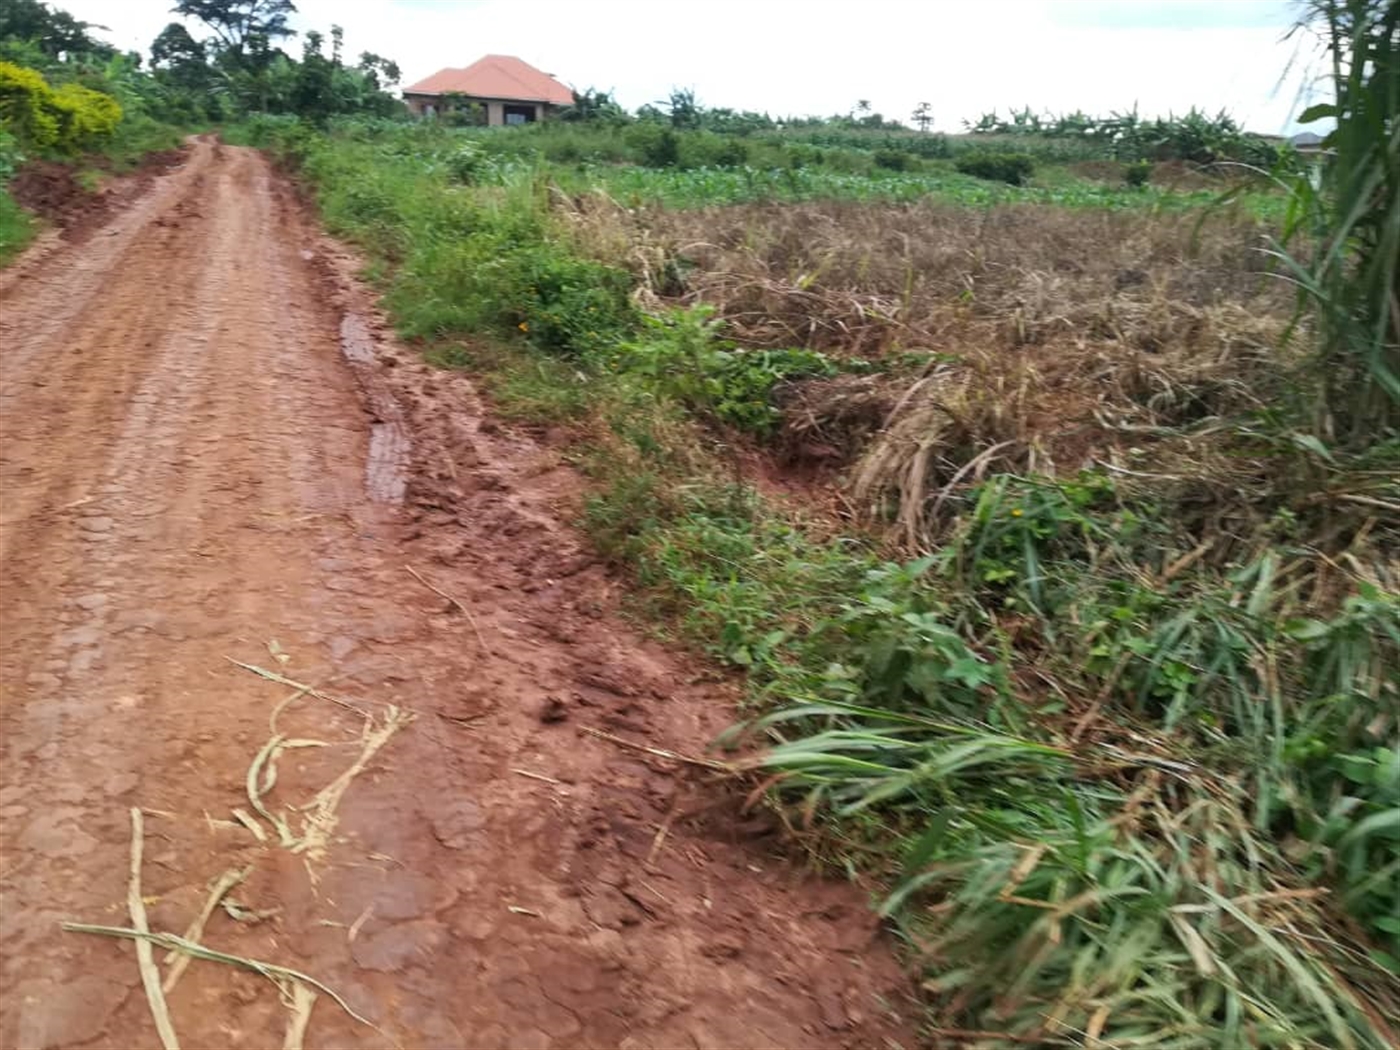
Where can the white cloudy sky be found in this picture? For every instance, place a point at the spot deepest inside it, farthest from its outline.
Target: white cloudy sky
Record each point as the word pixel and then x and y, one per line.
pixel 820 56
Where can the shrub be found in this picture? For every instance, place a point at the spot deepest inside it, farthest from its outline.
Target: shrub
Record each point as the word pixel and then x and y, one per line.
pixel 562 304
pixel 684 358
pixel 892 160
pixel 800 155
pixel 703 149
pixel 467 162
pixel 930 146
pixel 1011 168
pixel 1137 174
pixel 66 120
pixel 732 153
pixel 10 155
pixel 25 106
pixel 283 135
pixel 655 145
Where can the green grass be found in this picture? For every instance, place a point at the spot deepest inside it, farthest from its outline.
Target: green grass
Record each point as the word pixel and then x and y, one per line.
pixel 1107 794
pixel 582 160
pixel 17 228
pixel 710 187
pixel 139 135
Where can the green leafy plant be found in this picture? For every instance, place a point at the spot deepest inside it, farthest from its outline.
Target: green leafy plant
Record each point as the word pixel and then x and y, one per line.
pixel 1347 211
pixel 657 145
pixel 66 119
pixel 893 160
pixel 559 303
pixel 467 162
pixel 682 356
pixel 1011 168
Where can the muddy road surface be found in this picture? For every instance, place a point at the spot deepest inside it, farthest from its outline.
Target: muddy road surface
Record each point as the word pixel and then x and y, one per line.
pixel 272 581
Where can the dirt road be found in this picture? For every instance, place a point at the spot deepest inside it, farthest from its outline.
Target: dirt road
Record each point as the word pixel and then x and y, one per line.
pixel 210 451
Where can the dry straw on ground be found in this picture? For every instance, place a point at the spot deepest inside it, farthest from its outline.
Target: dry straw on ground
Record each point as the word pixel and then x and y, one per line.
pixel 1031 338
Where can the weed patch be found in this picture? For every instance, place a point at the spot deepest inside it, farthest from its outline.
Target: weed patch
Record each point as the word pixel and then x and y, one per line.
pixel 16 228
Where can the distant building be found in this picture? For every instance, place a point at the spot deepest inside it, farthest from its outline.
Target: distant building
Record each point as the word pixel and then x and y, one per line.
pixel 1307 142
pixel 497 90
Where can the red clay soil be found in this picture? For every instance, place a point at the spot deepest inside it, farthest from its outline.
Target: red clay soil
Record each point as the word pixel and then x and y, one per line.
pixel 53 192
pixel 210 450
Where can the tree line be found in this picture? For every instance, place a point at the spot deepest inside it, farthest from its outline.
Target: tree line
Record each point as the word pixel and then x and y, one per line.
pixel 235 63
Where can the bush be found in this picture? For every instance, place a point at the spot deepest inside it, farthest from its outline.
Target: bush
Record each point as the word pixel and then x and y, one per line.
pixel 930 146
pixel 283 135
pixel 732 153
pixel 704 149
pixel 1137 174
pixel 16 227
pixel 684 358
pixel 892 160
pixel 1011 168
pixel 11 156
pixel 562 304
pixel 656 146
pixel 467 162
pixel 67 120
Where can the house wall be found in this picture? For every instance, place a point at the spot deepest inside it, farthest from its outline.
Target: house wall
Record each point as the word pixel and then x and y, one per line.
pixel 424 105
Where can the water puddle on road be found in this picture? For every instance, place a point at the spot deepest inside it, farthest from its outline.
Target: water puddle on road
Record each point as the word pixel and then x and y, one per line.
pixel 386 466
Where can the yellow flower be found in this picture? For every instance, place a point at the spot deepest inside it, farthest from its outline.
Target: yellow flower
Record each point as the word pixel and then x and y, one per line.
pixel 1017 512
pixel 524 326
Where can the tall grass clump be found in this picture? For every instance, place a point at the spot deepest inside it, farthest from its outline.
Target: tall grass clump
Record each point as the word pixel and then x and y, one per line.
pixel 1345 214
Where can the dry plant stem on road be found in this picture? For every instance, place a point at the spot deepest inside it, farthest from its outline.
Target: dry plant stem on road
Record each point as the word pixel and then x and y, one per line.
pixel 210 451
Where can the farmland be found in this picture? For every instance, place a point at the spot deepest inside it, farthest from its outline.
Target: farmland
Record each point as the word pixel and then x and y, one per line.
pixel 1059 612
pixel 734 544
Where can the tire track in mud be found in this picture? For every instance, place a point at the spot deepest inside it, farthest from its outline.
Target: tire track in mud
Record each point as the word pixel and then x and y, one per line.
pixel 210 448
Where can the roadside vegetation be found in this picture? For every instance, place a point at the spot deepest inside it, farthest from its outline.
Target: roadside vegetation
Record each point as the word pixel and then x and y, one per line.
pixel 74 110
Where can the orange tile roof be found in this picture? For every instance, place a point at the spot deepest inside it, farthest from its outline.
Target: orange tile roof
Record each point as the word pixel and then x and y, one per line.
pixel 496 76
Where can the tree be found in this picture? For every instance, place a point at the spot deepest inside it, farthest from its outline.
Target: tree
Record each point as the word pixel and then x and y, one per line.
pixel 313 96
pixel 179 58
pixel 56 33
pixel 593 105
pixel 378 70
pixel 175 48
pixel 684 110
pixel 923 116
pixel 244 30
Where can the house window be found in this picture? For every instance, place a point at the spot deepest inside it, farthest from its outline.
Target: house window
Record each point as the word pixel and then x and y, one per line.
pixel 520 114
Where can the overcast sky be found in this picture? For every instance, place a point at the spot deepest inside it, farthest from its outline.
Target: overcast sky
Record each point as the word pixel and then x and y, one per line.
pixel 809 56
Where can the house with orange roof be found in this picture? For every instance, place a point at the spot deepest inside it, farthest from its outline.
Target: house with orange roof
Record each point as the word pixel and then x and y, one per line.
pixel 501 89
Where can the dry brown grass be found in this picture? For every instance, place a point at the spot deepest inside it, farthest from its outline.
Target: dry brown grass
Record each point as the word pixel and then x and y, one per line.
pixel 862 278
pixel 1020 338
